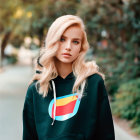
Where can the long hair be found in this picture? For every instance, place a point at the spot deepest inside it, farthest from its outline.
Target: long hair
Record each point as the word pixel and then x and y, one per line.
pixel 81 68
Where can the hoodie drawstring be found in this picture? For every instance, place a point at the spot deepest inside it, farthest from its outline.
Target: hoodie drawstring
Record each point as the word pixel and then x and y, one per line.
pixel 54 94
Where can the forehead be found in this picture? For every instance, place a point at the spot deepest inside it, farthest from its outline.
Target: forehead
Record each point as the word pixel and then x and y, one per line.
pixel 73 32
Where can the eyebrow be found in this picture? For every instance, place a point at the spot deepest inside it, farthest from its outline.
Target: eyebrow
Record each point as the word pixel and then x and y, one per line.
pixel 73 38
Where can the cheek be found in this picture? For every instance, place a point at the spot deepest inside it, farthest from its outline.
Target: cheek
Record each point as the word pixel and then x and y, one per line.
pixel 76 51
pixel 59 50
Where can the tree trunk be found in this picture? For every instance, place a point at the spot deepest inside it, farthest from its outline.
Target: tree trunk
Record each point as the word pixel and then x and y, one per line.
pixel 5 42
pixel 3 46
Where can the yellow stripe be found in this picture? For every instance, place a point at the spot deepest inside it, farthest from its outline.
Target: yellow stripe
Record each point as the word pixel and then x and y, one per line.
pixel 61 102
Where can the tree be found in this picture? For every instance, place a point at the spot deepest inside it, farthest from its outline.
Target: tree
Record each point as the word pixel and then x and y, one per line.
pixel 120 20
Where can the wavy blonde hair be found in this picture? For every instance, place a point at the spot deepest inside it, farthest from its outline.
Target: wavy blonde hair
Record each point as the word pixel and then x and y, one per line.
pixel 81 68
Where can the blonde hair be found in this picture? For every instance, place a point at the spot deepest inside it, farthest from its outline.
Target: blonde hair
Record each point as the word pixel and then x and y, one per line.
pixel 81 68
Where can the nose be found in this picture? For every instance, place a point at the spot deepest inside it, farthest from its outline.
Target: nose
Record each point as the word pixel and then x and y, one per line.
pixel 68 46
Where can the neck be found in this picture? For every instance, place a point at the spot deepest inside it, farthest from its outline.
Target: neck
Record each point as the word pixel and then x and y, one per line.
pixel 63 69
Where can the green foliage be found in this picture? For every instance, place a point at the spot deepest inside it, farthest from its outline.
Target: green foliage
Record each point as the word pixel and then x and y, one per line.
pixel 127 103
pixel 120 60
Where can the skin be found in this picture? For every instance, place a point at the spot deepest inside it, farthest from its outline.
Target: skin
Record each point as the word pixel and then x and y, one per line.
pixel 69 43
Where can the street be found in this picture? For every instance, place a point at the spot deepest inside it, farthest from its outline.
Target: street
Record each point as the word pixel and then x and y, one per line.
pixel 13 85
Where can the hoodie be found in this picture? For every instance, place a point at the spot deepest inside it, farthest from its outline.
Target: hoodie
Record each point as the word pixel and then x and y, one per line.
pixel 63 115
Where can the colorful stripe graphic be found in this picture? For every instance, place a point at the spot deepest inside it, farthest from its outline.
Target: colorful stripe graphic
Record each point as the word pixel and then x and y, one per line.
pixel 66 107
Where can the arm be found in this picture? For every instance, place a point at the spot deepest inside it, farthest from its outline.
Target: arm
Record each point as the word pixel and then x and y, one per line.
pixel 29 129
pixel 105 127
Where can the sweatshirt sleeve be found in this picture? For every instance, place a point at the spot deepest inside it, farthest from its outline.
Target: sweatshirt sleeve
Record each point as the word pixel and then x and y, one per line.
pixel 29 129
pixel 105 127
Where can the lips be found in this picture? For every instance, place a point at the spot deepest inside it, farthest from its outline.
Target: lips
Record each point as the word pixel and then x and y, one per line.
pixel 66 54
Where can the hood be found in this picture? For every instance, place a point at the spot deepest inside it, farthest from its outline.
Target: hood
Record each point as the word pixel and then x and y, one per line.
pixel 67 78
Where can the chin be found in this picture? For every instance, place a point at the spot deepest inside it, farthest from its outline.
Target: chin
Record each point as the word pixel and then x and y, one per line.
pixel 66 62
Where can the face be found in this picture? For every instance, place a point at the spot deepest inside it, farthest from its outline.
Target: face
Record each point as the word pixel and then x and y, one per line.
pixel 69 44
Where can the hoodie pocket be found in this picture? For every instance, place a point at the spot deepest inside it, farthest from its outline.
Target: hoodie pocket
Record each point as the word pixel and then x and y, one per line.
pixel 68 137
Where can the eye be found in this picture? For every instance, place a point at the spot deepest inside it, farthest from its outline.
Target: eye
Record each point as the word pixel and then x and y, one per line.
pixel 76 42
pixel 62 39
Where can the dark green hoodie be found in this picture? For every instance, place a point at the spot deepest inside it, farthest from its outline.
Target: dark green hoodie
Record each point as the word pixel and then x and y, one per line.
pixel 75 118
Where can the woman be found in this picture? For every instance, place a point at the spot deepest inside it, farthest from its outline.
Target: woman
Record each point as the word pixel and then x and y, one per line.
pixel 67 98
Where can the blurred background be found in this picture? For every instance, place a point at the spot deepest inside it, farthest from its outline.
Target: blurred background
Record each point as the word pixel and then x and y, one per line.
pixel 113 29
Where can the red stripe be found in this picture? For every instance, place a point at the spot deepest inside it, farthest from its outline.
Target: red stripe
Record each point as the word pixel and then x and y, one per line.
pixel 63 110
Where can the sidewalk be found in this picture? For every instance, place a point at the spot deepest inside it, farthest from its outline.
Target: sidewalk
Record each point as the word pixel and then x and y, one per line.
pixel 13 86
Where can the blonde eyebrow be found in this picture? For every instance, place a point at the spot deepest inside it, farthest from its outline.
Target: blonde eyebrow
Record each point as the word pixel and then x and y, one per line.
pixel 73 38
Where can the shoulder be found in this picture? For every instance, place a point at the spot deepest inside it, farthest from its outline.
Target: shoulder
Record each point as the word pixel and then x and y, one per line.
pixel 95 78
pixel 96 83
pixel 31 90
